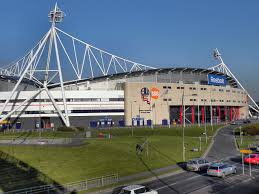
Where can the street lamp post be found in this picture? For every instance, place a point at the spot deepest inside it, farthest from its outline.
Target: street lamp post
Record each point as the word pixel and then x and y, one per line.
pixel 205 126
pixel 183 126
pixel 183 122
pixel 199 122
pixel 240 133
pixel 132 132
pixel 211 112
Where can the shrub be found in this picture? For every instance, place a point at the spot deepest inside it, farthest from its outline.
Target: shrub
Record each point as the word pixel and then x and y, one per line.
pixel 70 129
pixel 251 129
pixel 66 129
pixel 80 129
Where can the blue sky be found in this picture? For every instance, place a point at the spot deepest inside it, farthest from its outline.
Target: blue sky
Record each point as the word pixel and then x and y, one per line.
pixel 157 33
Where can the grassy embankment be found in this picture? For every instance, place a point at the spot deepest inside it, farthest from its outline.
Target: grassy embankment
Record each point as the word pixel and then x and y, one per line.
pixel 101 156
pixel 250 136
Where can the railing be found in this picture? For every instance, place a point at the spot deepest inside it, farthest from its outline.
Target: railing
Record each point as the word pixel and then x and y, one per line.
pixel 70 187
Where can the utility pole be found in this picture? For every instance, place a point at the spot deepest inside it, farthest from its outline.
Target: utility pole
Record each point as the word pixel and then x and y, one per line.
pixel 206 137
pixel 183 125
pixel 241 135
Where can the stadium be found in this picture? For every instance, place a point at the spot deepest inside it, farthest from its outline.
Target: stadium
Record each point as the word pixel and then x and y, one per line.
pixel 121 97
pixel 108 90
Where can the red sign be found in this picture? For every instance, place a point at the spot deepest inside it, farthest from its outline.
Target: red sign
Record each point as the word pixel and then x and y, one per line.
pixel 154 93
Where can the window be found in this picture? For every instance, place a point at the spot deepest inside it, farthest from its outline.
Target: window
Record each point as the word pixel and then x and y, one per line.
pixel 169 87
pixel 164 99
pixel 169 99
pixel 178 88
pixel 97 111
pixel 138 191
pixel 116 99
pixel 164 87
pixel 125 192
pixel 227 90
pixel 182 87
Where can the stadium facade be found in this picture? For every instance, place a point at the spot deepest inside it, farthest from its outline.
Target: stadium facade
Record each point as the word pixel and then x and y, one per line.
pixel 157 96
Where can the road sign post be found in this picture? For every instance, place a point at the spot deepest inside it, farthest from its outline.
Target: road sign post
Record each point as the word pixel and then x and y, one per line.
pixel 200 143
pixel 250 170
pixel 241 137
pixel 243 165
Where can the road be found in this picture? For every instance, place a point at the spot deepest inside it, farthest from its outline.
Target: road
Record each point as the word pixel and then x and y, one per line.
pixel 200 183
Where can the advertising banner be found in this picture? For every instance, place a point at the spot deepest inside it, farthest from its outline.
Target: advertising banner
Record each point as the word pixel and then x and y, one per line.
pixel 218 80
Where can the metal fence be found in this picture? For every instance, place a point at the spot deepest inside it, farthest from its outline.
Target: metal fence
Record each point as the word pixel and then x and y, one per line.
pixel 70 187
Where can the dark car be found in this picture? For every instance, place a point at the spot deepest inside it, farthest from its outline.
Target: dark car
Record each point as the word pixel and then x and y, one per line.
pixel 197 164
pixel 246 121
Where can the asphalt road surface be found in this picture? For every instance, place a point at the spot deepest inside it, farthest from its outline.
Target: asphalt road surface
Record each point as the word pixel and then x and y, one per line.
pixel 200 183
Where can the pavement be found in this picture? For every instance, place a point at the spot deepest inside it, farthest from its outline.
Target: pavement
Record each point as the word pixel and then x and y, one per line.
pixel 224 147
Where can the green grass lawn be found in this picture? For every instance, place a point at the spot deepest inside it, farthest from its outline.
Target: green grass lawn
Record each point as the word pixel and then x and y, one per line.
pixel 248 140
pixel 34 134
pixel 98 156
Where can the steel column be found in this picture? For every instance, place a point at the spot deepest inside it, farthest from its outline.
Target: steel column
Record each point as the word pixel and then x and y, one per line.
pixel 181 115
pixel 230 114
pixel 193 115
pixel 202 115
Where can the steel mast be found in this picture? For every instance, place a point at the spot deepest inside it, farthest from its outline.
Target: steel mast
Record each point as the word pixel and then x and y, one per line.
pixel 222 67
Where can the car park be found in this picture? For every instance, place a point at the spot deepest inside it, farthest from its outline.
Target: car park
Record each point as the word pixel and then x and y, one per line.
pixel 137 189
pixel 252 159
pixel 197 164
pixel 221 169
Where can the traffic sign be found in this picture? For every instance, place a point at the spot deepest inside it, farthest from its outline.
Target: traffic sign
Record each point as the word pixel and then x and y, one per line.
pixel 246 151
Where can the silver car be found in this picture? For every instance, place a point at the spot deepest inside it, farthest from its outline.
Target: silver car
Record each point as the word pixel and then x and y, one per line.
pixel 221 169
pixel 197 164
pixel 137 189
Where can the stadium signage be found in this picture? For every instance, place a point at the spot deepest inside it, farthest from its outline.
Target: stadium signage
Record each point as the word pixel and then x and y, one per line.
pixel 219 80
pixel 154 93
pixel 145 95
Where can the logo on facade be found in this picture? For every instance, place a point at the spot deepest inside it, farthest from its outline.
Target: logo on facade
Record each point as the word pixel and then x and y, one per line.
pixel 154 93
pixel 145 95
pixel 217 80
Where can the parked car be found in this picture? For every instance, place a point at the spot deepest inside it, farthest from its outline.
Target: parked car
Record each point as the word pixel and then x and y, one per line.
pixel 246 121
pixel 137 189
pixel 197 164
pixel 237 122
pixel 253 159
pixel 221 169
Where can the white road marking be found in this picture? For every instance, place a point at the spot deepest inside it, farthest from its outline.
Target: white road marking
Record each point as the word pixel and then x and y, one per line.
pixel 193 177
